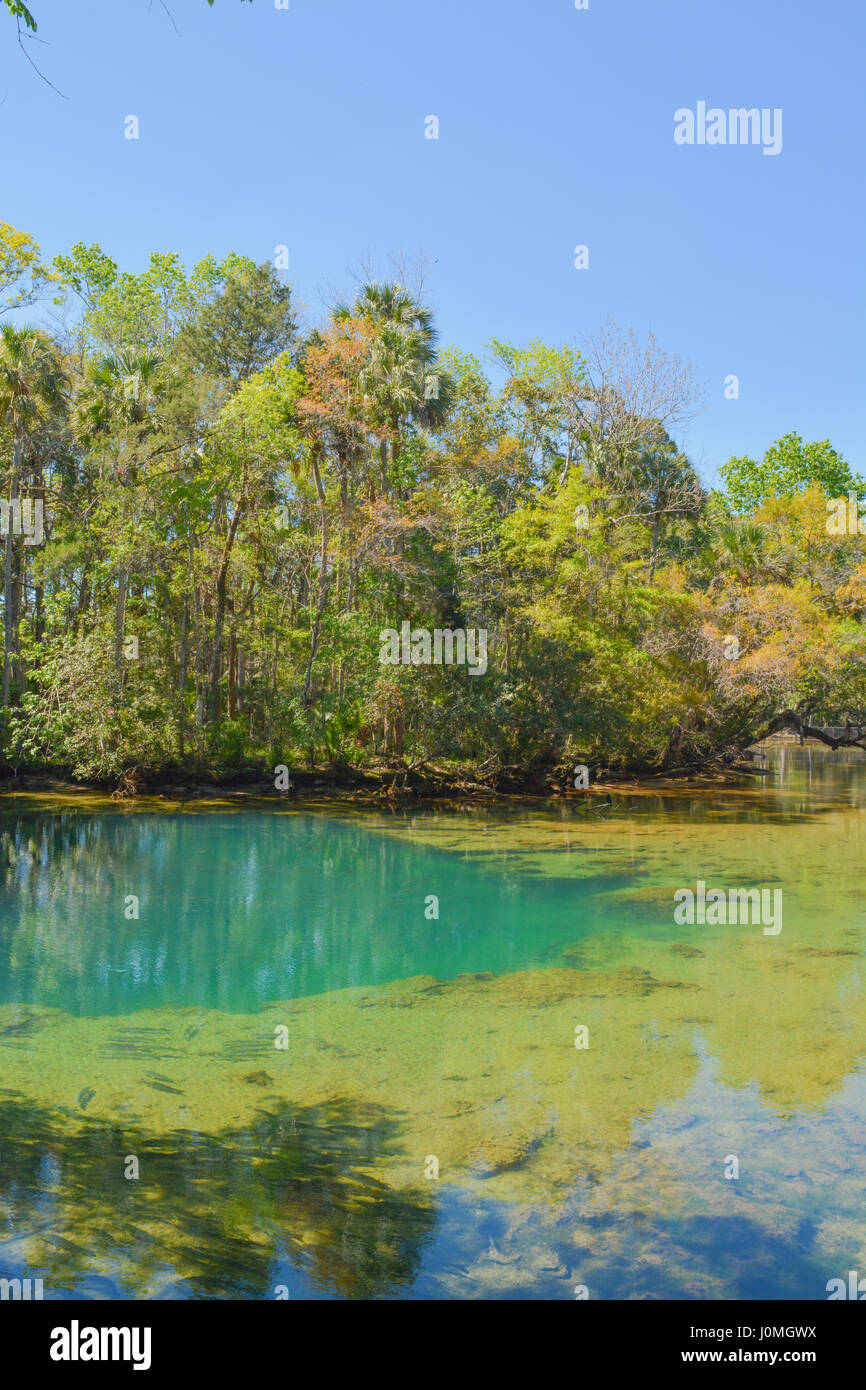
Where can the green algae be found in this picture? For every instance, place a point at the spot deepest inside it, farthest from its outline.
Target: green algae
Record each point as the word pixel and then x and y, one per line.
pixel 475 1068
pixel 481 1073
pixel 606 1161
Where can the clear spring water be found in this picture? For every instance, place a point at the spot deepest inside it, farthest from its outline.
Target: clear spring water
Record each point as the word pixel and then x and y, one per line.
pixel 286 1044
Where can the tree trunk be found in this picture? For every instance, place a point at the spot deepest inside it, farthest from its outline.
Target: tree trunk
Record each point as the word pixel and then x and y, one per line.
pixel 220 612
pixel 316 632
pixel 183 659
pixel 119 624
pixel 655 547
pixel 10 627
pixel 232 679
pixel 383 465
pixel 790 719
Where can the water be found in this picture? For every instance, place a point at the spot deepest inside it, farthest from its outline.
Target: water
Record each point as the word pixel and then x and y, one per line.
pixel 429 1128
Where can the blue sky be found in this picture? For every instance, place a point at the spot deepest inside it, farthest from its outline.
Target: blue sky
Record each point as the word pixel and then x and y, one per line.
pixel 305 127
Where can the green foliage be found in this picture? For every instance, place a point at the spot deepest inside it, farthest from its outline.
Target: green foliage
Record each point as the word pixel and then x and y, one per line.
pixel 788 466
pixel 237 330
pixel 145 310
pixel 19 10
pixel 233 517
pixel 23 277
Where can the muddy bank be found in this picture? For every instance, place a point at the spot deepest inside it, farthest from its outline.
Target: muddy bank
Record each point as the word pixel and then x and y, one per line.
pixel 373 785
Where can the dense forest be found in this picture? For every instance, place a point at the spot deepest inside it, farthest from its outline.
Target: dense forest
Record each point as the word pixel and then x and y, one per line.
pixel 214 512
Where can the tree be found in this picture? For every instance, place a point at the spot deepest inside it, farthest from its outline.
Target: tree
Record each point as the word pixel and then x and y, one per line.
pixel 399 379
pixel 244 326
pixel 788 466
pixel 31 381
pixel 257 510
pixel 115 405
pixel 254 436
pixel 125 311
pixel 625 384
pixel 23 277
pixel 660 482
pixel 541 381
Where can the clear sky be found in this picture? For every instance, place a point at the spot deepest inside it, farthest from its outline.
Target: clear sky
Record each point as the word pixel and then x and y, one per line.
pixel 306 127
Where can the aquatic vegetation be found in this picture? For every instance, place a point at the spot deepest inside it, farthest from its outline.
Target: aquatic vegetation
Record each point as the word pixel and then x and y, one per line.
pixel 450 1131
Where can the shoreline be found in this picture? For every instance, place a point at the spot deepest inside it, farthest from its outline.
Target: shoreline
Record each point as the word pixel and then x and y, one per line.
pixel 377 787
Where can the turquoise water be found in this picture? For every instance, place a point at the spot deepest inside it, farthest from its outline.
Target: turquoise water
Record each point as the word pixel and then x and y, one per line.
pixel 238 908
pixel 418 1029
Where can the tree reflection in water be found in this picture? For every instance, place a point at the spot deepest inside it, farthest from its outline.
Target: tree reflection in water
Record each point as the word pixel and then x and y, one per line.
pixel 210 1215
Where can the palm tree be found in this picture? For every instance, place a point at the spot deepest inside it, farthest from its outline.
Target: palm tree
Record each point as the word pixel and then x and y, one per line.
pixel 399 379
pixel 31 382
pixel 663 482
pixel 373 371
pixel 725 545
pixel 741 548
pixel 118 389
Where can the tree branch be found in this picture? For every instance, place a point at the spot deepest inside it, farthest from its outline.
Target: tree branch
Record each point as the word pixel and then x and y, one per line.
pixel 790 719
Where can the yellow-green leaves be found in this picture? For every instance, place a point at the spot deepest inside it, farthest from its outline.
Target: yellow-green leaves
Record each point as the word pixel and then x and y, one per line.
pixel 23 277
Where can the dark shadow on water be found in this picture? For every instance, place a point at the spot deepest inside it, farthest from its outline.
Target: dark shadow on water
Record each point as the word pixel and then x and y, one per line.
pixel 209 1216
